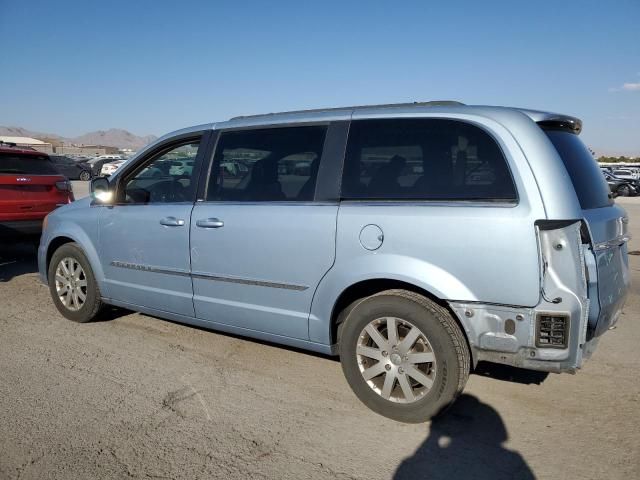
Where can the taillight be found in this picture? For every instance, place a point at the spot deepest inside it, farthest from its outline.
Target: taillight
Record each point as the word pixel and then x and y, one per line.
pixel 64 186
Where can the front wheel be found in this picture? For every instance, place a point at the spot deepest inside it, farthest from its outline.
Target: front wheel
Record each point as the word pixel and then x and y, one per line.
pixel 85 176
pixel 403 355
pixel 624 190
pixel 72 284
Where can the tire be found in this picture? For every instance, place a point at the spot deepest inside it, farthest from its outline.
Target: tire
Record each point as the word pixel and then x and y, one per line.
pixel 439 356
pixel 85 176
pixel 624 190
pixel 75 309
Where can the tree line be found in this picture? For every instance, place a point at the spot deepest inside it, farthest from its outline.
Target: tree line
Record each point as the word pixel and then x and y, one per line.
pixel 621 159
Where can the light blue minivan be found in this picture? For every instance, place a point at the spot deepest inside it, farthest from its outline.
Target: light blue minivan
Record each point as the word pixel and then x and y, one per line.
pixel 413 240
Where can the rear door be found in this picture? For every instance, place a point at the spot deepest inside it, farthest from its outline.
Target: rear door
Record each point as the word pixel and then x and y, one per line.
pixel 28 188
pixel 144 237
pixel 264 235
pixel 607 223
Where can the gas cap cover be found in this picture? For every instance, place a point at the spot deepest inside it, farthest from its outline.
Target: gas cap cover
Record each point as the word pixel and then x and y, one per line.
pixel 371 237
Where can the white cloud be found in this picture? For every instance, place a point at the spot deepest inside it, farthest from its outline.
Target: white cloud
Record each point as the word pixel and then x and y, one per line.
pixel 629 87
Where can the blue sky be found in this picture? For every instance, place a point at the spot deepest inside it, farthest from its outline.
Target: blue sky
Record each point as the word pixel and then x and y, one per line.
pixel 70 67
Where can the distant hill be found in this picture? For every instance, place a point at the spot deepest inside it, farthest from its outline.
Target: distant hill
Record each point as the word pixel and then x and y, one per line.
pixel 114 137
pixel 23 132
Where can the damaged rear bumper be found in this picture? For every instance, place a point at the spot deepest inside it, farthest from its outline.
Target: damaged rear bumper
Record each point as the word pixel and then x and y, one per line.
pixel 552 336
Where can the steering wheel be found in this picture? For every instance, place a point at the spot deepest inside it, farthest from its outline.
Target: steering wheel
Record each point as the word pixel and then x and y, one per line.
pixel 168 191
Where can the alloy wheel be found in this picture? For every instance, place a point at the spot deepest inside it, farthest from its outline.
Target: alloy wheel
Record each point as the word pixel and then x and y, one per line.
pixel 71 284
pixel 396 359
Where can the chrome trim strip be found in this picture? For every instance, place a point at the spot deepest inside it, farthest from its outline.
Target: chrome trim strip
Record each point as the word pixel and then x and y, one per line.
pixel 207 276
pixel 147 268
pixel 247 281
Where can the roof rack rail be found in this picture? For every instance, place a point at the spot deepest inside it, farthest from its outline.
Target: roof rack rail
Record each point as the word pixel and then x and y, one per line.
pixel 434 103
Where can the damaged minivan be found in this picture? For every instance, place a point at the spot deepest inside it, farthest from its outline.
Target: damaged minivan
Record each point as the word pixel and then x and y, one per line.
pixel 412 240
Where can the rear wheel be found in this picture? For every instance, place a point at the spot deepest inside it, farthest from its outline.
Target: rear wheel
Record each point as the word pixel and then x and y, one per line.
pixel 85 176
pixel 73 287
pixel 403 355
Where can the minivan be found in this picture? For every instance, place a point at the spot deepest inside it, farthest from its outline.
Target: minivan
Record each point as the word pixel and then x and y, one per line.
pixel 421 239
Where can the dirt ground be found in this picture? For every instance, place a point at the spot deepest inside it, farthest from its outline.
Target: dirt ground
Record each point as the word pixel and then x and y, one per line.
pixel 140 397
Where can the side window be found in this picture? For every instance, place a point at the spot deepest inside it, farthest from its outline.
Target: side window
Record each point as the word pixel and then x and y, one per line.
pixel 273 164
pixel 424 159
pixel 167 178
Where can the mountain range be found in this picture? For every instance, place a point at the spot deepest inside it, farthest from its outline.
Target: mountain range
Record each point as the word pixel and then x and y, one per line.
pixel 114 137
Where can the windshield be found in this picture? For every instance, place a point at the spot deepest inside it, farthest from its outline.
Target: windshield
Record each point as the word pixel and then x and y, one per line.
pixel 588 182
pixel 11 163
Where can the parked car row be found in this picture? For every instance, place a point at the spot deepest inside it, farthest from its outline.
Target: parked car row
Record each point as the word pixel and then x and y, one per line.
pixel 628 173
pixel 626 186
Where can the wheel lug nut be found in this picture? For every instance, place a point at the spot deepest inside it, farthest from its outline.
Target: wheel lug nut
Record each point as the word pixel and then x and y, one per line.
pixel 387 367
pixel 401 370
pixel 405 358
pixel 384 353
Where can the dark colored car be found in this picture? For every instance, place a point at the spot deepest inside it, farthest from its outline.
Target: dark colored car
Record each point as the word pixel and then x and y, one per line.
pixel 30 188
pixel 96 165
pixel 71 169
pixel 621 186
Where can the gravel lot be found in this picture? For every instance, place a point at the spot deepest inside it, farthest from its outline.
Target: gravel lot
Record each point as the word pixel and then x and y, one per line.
pixel 140 397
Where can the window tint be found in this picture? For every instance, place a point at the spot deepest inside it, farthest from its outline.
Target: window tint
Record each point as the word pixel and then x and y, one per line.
pixel 588 182
pixel 424 159
pixel 166 179
pixel 26 165
pixel 276 164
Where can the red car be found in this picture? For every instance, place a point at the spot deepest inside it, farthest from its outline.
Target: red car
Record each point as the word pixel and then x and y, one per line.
pixel 30 188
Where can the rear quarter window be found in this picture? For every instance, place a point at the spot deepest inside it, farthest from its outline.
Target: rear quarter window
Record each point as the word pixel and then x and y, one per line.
pixel 424 159
pixel 15 164
pixel 588 182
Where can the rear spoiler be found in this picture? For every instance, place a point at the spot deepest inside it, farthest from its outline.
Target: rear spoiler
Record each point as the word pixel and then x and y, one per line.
pixel 555 121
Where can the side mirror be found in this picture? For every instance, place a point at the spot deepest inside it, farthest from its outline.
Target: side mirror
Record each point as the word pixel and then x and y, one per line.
pixel 101 190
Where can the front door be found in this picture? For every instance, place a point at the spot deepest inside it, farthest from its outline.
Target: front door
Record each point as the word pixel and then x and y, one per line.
pixel 260 243
pixel 144 237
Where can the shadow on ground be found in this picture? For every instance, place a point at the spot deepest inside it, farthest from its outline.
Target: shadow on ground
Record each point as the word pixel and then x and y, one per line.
pixel 17 259
pixel 465 442
pixel 510 374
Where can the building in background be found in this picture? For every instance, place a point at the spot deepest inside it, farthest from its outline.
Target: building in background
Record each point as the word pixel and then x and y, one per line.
pixel 29 142
pixel 88 150
pixel 59 148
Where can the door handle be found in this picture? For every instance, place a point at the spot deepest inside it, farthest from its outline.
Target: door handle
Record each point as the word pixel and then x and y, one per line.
pixel 210 223
pixel 172 222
